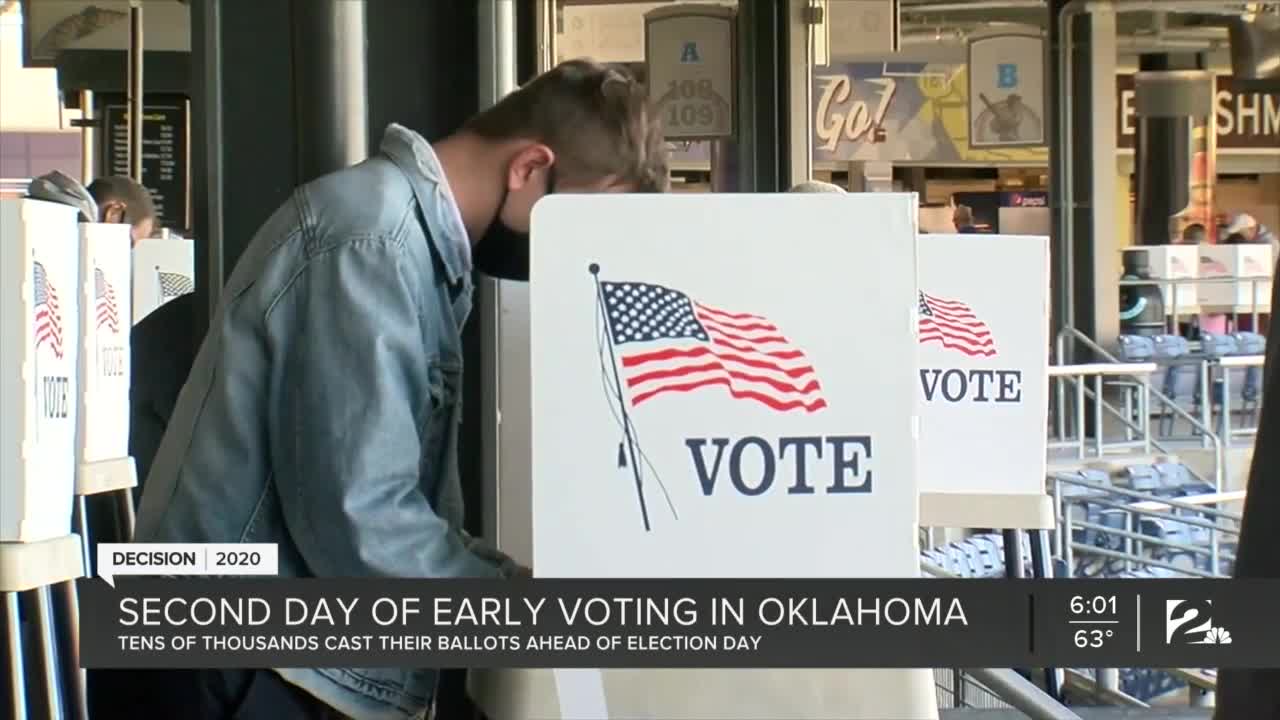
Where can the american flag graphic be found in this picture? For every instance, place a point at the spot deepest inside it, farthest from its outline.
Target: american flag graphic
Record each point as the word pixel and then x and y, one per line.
pixel 48 316
pixel 670 343
pixel 104 296
pixel 1209 265
pixel 174 284
pixel 954 325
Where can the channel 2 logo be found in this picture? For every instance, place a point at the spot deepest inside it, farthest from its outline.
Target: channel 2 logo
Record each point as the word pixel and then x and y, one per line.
pixel 1190 622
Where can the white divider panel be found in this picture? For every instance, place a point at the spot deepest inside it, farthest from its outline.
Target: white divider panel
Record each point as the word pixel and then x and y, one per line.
pixel 39 353
pixel 163 269
pixel 659 450
pixel 983 376
pixel 107 283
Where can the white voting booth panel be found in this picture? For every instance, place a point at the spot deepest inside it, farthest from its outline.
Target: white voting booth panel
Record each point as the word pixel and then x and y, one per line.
pixel 1245 261
pixel 712 342
pixel 107 286
pixel 39 325
pixel 163 269
pixel 984 380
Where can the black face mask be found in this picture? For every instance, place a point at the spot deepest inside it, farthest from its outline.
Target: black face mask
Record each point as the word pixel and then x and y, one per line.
pixel 503 253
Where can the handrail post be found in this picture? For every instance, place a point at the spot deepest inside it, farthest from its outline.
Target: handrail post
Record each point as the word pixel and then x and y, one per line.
pixel 1098 434
pixel 1080 437
pixel 1206 403
pixel 1061 419
pixel 1068 533
pixel 1060 511
pixel 1145 401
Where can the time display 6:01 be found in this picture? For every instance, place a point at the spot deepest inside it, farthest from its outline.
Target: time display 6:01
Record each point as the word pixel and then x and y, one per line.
pixel 1096 605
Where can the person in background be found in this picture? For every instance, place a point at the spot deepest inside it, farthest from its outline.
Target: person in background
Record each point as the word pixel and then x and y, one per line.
pixel 1194 234
pixel 322 411
pixel 163 348
pixel 1252 231
pixel 121 200
pixel 963 219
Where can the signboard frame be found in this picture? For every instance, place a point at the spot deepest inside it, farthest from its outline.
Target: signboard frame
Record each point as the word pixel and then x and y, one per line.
pixel 716 12
pixel 166 27
pixel 174 213
pixel 1042 101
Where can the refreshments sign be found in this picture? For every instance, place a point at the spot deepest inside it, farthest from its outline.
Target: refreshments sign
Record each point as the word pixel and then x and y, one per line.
pixel 1245 118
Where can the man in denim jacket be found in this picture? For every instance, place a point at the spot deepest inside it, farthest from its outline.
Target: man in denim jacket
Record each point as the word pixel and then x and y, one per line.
pixel 322 412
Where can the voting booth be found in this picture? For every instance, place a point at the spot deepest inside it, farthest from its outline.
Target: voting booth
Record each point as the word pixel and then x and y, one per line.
pixel 39 362
pixel 711 397
pixel 984 381
pixel 1237 261
pixel 102 456
pixel 163 269
pixel 1174 262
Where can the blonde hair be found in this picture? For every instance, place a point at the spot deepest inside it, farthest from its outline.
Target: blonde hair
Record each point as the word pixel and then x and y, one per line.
pixel 596 118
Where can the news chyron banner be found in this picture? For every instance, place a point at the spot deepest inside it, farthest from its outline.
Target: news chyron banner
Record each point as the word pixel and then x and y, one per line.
pixel 272 622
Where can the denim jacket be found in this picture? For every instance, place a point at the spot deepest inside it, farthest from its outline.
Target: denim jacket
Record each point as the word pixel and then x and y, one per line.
pixel 322 412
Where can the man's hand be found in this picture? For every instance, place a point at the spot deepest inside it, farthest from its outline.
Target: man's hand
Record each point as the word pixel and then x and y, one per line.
pixel 509 568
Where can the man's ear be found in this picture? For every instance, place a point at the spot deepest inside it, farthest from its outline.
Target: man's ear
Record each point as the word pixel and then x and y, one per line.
pixel 113 212
pixel 528 161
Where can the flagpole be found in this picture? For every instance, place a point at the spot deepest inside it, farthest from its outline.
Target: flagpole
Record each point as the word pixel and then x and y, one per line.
pixel 594 268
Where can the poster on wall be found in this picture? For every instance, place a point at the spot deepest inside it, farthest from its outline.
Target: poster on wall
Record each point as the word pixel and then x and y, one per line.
pixel 901 112
pixel 1006 91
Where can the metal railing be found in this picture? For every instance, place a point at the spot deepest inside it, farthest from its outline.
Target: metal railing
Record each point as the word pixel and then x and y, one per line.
pixel 1225 365
pixel 1138 375
pixel 992 688
pixel 1138 550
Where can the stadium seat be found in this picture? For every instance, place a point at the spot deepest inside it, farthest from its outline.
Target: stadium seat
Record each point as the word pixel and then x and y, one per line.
pixel 1218 346
pixel 1136 348
pixel 1143 478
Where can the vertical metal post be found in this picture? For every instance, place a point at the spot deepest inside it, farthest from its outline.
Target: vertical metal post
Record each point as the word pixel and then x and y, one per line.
pixel 207 158
pixel 1206 403
pixel 17 670
pixel 503 306
pixel 1081 439
pixel 135 90
pixel 1099 435
pixel 88 139
pixel 799 96
pixel 48 651
pixel 1146 414
pixel 1068 553
pixel 69 628
pixel 1108 680
pixel 330 81
pixel 1060 511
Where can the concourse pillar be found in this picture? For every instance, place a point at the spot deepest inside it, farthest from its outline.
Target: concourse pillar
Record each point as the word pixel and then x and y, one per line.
pixel 1088 215
pixel 330 88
